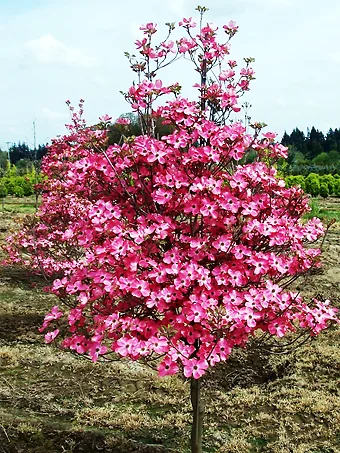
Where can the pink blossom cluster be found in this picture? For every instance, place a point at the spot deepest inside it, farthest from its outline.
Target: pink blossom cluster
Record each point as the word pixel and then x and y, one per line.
pixel 207 54
pixel 173 247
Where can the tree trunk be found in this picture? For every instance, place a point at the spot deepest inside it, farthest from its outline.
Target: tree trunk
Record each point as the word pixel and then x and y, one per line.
pixel 198 413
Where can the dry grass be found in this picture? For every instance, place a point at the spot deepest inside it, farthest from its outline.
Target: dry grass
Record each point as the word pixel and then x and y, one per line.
pixel 53 401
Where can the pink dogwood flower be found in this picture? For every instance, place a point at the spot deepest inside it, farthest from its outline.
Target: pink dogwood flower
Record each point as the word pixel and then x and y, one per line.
pixel 195 368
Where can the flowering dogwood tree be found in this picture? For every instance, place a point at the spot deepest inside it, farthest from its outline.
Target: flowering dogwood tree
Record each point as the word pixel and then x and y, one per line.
pixel 173 248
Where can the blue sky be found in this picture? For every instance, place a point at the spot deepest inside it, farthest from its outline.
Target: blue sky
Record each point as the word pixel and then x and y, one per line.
pixel 53 50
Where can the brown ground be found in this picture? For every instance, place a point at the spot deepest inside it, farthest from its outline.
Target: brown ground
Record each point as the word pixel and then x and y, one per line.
pixel 54 402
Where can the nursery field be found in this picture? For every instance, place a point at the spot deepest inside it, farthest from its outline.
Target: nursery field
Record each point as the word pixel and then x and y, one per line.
pixel 54 402
pixel 24 205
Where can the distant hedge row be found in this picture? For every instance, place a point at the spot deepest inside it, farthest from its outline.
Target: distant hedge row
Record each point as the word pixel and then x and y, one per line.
pixel 315 185
pixel 19 186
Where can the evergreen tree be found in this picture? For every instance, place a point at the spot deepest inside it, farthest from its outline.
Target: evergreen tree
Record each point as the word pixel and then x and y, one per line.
pixel 315 143
pixel 19 151
pixel 330 141
pixel 298 140
pixel 3 162
pixel 41 151
pixel 286 140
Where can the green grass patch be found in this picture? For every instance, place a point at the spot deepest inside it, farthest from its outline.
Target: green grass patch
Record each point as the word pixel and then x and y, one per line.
pixel 17 205
pixel 324 210
pixel 20 208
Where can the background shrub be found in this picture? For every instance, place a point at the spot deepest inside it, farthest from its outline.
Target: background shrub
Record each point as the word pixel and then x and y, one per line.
pixel 312 184
pixel 324 191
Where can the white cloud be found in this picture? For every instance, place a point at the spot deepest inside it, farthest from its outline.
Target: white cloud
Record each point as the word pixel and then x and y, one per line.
pixel 178 7
pixel 12 129
pixel 280 101
pixel 52 115
pixel 48 49
pixel 100 81
pixel 335 56
pixel 134 30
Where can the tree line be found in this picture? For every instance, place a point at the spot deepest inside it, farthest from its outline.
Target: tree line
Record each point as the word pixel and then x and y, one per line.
pixel 22 156
pixel 314 152
pixel 20 170
pixel 315 185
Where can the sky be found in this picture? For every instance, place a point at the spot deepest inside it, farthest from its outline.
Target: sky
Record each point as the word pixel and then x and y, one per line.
pixel 52 51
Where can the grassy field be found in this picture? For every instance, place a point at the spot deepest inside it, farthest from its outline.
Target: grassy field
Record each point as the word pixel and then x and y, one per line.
pixel 325 209
pixel 18 205
pixel 54 402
